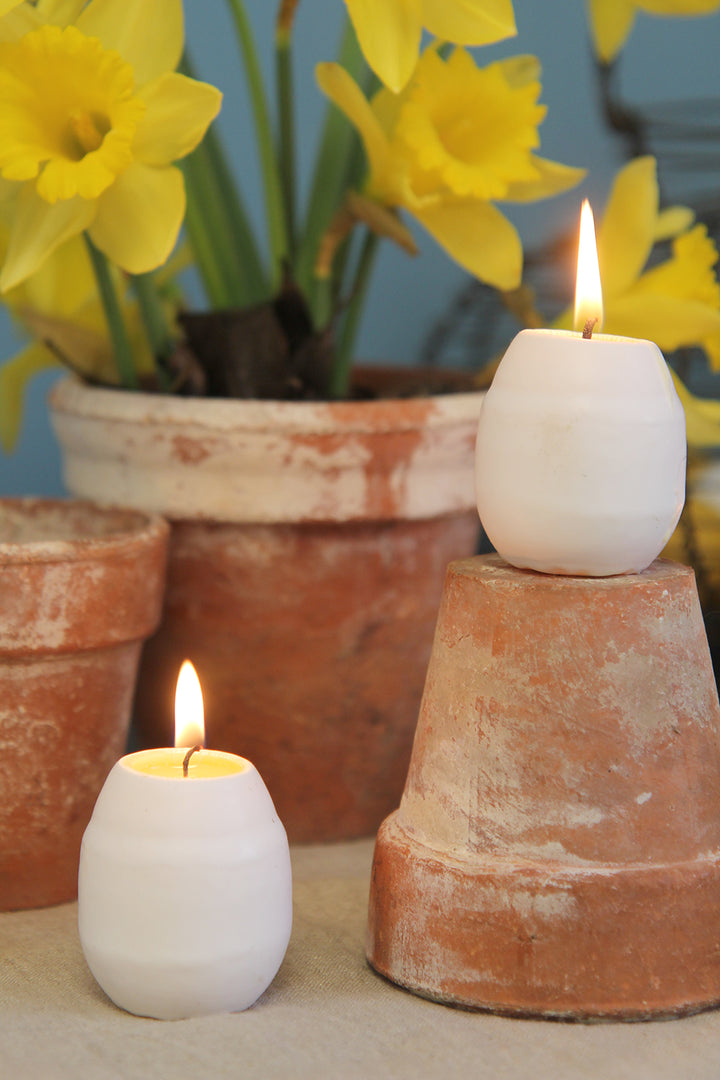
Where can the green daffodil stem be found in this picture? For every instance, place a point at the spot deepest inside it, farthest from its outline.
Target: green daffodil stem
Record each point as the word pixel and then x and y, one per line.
pixel 621 118
pixel 219 214
pixel 334 166
pixel 209 232
pixel 286 113
pixel 122 350
pixel 250 274
pixel 263 131
pixel 204 253
pixel 155 322
pixel 340 375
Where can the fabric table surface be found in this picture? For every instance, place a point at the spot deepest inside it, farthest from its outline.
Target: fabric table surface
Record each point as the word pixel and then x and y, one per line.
pixel 327 1014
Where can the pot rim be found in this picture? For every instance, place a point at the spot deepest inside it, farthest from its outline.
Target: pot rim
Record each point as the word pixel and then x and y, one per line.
pixel 71 396
pixel 136 528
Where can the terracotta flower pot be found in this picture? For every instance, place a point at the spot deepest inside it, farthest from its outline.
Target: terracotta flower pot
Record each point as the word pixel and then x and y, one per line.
pixel 81 588
pixel 307 556
pixel 557 848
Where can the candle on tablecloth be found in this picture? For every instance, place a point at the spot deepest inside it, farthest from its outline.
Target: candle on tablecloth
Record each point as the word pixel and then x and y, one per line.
pixel 580 457
pixel 184 889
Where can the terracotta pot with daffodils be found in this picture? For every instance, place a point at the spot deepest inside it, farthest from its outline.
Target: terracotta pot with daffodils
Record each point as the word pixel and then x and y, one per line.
pixel 314 508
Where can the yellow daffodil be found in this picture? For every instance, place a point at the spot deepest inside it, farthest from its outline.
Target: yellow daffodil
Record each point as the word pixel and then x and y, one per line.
pixel 676 302
pixel 612 20
pixel 389 31
pixel 92 115
pixel 59 304
pixel 456 138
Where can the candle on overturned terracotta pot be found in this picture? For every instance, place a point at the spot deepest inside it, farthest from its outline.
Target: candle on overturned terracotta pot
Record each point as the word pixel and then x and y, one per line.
pixel 580 457
pixel 184 888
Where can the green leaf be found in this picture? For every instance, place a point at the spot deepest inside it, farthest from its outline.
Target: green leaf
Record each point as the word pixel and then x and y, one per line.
pixel 219 226
pixel 338 165
pixel 277 227
pixel 117 330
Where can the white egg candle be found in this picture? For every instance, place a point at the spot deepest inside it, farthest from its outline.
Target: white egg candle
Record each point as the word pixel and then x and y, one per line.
pixel 581 448
pixel 184 888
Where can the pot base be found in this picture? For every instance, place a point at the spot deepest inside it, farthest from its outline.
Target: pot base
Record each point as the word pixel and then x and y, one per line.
pixel 545 940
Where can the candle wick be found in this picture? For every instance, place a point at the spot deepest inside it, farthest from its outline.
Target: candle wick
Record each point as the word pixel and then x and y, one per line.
pixel 588 328
pixel 186 759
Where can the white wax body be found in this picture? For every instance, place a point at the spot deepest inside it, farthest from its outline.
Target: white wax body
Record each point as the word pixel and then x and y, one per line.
pixel 580 458
pixel 184 892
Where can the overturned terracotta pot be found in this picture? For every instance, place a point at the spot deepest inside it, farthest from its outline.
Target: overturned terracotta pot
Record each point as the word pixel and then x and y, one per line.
pixel 307 555
pixel 557 848
pixel 81 588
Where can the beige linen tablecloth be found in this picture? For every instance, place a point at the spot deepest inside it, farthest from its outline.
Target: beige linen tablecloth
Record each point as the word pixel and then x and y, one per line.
pixel 327 1015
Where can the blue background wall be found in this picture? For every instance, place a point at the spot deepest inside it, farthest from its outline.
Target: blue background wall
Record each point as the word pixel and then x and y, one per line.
pixel 666 59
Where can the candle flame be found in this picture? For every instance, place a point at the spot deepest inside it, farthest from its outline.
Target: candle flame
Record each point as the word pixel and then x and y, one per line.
pixel 588 289
pixel 189 713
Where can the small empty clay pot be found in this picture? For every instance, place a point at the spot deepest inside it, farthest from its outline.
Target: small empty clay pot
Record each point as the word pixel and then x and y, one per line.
pixel 80 588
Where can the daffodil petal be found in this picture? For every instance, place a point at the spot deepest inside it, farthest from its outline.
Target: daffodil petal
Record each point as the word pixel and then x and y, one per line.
pixel 344 92
pixel 711 345
pixel 610 24
pixel 478 237
pixel 389 33
pixel 672 221
pixel 521 70
pixel 702 417
pixel 147 33
pixel 381 221
pixel 15 374
pixel 626 235
pixel 8 5
pixel 386 108
pixel 59 12
pixel 179 112
pixel 668 320
pixel 38 230
pixel 60 286
pixel 18 23
pixel 552 179
pixel 469 22
pixel 85 346
pixel 138 218
pixel 689 273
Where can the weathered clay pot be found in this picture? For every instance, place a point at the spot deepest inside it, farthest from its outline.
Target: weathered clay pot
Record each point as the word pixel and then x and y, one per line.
pixel 557 848
pixel 307 555
pixel 80 588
